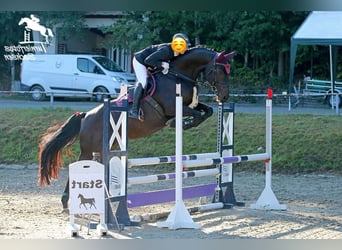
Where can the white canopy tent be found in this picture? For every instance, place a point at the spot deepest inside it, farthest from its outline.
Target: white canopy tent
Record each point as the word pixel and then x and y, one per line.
pixel 319 28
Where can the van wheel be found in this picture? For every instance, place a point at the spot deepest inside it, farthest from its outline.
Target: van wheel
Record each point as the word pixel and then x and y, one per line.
pixel 100 94
pixel 37 93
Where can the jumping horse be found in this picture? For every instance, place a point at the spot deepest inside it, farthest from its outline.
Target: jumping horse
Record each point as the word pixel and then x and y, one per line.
pixel 33 24
pixel 158 111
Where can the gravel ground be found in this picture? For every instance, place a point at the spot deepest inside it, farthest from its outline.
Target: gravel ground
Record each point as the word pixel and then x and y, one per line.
pixel 314 209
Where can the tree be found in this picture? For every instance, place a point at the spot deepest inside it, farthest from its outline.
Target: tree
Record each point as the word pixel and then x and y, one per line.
pixel 261 38
pixel 130 32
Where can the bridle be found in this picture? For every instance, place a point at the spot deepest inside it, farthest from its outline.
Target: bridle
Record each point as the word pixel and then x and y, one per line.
pixel 213 70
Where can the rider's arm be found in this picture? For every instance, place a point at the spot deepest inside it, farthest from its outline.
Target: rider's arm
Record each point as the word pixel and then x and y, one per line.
pixel 156 59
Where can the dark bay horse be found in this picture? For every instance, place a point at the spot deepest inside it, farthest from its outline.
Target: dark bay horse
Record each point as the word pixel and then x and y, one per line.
pixel 88 126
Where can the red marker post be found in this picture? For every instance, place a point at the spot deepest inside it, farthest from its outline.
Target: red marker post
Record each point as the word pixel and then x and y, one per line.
pixel 269 93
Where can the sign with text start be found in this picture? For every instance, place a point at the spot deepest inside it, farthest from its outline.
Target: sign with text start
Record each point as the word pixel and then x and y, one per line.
pixel 87 193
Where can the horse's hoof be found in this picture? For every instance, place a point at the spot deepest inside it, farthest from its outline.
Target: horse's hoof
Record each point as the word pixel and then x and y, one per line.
pixel 65 211
pixel 185 127
pixel 171 123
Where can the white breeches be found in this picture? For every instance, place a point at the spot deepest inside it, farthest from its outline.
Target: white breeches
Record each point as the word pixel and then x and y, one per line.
pixel 140 72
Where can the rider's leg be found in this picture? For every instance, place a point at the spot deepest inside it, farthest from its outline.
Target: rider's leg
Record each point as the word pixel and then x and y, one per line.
pixel 141 74
pixel 134 113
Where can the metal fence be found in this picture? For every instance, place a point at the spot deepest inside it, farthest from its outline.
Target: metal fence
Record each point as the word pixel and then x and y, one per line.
pixel 291 100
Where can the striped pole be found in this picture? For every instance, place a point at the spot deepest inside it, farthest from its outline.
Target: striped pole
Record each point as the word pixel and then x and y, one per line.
pixel 225 160
pixel 169 176
pixel 168 159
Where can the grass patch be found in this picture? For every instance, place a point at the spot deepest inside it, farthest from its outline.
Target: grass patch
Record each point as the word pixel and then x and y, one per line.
pixel 301 143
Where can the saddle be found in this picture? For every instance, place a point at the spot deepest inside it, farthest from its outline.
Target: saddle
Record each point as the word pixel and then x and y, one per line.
pixel 147 96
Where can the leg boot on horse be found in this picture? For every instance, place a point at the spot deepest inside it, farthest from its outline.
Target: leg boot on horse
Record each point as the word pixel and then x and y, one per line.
pixel 134 113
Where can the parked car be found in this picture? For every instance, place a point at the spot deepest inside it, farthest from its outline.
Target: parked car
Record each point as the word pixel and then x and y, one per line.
pixel 77 75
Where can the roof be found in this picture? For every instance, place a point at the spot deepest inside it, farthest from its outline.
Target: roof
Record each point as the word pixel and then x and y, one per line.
pixel 320 27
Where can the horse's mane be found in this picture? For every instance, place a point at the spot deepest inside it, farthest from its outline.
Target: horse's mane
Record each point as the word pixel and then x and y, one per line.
pixel 199 49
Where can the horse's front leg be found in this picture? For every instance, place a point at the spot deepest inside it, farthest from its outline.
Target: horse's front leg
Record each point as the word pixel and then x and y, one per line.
pixel 208 111
pixel 194 116
pixel 197 116
pixel 191 118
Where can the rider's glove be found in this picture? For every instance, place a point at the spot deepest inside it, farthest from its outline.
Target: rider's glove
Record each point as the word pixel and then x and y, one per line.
pixel 165 66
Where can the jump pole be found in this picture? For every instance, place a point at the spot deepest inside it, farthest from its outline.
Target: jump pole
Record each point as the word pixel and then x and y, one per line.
pixel 267 199
pixel 168 159
pixel 179 216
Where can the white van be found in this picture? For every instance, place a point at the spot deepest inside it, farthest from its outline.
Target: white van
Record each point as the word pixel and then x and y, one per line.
pixel 76 75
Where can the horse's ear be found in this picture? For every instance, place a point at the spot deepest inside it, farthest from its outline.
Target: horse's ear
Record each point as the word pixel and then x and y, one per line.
pixel 221 58
pixel 229 55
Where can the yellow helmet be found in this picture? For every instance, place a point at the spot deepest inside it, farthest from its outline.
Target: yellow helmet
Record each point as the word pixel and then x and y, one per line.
pixel 180 43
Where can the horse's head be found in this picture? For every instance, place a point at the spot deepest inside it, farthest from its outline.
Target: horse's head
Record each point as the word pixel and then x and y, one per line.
pixel 217 72
pixel 214 65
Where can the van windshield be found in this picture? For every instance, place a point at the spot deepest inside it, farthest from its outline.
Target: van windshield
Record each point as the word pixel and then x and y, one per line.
pixel 108 64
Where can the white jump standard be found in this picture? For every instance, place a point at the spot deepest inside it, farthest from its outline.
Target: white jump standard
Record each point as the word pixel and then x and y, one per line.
pixel 179 216
pixel 267 199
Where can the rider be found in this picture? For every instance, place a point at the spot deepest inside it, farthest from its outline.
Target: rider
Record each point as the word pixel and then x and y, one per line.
pixel 155 56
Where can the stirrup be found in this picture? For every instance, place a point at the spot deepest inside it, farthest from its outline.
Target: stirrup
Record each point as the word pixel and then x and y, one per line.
pixel 139 115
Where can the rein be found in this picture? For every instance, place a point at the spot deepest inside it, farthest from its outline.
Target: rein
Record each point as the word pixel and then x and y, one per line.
pixel 213 68
pixel 182 76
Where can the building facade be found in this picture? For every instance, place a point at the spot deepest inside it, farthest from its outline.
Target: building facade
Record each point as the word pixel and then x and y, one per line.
pixel 91 39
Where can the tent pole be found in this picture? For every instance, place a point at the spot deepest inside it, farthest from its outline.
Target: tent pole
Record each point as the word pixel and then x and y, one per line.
pixel 332 57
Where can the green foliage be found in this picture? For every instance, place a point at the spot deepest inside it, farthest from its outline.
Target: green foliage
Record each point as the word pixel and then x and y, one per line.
pixel 20 130
pixel 258 37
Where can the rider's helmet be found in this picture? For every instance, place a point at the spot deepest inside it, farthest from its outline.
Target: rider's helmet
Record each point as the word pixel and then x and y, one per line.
pixel 180 43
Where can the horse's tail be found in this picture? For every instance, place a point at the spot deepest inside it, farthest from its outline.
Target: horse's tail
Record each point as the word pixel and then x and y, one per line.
pixel 51 144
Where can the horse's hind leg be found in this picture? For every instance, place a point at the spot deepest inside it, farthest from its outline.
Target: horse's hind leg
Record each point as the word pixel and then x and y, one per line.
pixel 65 198
pixel 65 195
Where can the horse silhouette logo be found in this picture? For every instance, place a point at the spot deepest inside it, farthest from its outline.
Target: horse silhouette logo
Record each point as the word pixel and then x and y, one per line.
pixel 32 23
pixel 84 201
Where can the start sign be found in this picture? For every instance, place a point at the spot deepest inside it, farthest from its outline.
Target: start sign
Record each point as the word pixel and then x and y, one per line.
pixel 87 193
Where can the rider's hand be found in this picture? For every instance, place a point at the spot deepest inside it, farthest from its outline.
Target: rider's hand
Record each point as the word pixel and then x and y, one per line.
pixel 166 67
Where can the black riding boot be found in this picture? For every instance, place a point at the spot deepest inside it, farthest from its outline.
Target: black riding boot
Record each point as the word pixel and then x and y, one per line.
pixel 136 101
